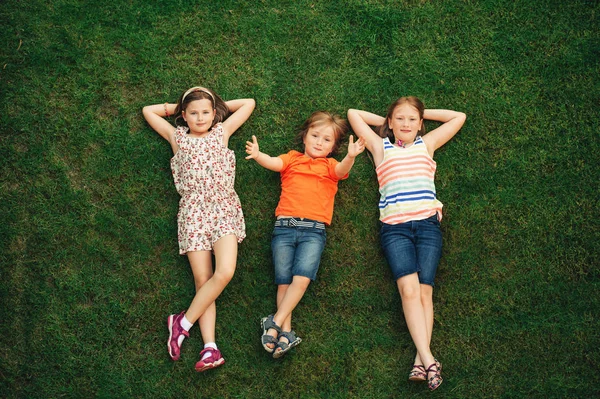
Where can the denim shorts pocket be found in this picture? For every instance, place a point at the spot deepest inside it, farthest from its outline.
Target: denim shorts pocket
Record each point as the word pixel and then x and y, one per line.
pixel 433 220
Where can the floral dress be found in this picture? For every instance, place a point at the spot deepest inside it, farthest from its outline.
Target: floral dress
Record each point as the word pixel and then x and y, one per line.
pixel 204 174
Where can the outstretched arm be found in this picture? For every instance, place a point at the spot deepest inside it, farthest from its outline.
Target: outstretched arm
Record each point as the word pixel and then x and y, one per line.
pixel 452 122
pixel 343 168
pixel 272 163
pixel 155 114
pixel 241 110
pixel 361 122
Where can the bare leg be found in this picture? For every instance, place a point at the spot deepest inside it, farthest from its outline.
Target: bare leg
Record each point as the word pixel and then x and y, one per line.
pixel 287 324
pixel 226 256
pixel 290 297
pixel 281 291
pixel 201 264
pixel 416 319
pixel 427 302
pixel 290 300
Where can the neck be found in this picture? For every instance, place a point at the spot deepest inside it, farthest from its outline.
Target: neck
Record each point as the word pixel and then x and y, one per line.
pixel 403 144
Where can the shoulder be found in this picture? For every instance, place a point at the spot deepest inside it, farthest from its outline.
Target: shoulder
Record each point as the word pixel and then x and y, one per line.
pixel 180 132
pixel 386 143
pixel 291 155
pixel 289 158
pixel 331 161
pixel 218 128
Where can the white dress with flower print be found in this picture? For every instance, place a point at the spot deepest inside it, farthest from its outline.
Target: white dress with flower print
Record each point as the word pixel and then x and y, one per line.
pixel 204 174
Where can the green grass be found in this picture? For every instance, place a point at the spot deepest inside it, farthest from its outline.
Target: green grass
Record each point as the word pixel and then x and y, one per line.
pixel 89 260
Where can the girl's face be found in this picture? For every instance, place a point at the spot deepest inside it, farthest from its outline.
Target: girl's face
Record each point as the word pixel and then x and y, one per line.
pixel 199 116
pixel 405 123
pixel 319 141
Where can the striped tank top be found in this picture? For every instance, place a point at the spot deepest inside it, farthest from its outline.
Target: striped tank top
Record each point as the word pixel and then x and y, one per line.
pixel 406 183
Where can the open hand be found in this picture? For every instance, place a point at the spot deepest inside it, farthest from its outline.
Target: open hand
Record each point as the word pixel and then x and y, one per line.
pixel 252 148
pixel 355 148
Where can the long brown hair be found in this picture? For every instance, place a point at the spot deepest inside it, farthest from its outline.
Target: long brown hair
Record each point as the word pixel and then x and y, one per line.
pixel 201 93
pixel 339 125
pixel 385 131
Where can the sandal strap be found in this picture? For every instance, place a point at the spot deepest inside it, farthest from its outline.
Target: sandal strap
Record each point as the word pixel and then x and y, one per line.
pixel 418 366
pixel 290 335
pixel 270 323
pixel 268 339
pixel 429 369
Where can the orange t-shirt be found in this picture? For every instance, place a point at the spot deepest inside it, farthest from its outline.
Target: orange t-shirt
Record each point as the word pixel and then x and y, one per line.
pixel 308 187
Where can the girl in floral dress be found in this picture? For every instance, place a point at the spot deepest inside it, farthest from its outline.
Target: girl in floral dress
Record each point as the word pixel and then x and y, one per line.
pixel 210 218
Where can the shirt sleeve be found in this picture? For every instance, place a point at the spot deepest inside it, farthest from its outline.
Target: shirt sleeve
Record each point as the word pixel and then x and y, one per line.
pixel 286 158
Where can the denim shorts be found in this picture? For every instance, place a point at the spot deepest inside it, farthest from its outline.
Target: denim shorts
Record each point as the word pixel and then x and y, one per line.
pixel 297 252
pixel 413 247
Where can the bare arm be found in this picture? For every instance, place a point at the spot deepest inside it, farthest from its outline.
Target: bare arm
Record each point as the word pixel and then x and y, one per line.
pixel 155 114
pixel 361 122
pixel 272 163
pixel 343 168
pixel 452 122
pixel 241 110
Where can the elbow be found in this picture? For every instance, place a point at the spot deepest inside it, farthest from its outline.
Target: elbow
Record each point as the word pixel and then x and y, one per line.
pixel 249 103
pixel 462 117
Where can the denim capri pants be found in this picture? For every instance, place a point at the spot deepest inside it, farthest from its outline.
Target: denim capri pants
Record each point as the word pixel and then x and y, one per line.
pixel 413 247
pixel 297 245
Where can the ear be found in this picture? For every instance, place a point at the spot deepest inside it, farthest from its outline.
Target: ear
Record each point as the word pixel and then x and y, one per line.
pixel 389 123
pixel 183 115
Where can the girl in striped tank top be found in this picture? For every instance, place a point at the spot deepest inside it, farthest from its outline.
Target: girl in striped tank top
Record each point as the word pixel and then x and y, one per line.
pixel 410 212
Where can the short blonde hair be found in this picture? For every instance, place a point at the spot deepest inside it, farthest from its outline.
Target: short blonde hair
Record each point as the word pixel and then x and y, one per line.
pixel 319 118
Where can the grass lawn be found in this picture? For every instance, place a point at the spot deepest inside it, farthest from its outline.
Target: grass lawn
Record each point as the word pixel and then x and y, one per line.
pixel 89 264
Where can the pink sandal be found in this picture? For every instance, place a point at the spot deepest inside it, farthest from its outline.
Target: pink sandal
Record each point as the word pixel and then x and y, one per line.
pixel 436 380
pixel 417 373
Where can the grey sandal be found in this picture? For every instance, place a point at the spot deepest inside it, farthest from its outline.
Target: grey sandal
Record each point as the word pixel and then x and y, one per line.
pixel 266 323
pixel 285 346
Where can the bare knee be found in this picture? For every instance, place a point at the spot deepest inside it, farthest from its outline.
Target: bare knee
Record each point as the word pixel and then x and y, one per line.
pixel 301 282
pixel 410 292
pixel 426 295
pixel 426 299
pixel 199 280
pixel 224 275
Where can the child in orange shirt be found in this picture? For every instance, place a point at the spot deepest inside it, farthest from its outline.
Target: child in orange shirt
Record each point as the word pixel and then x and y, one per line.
pixel 308 187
